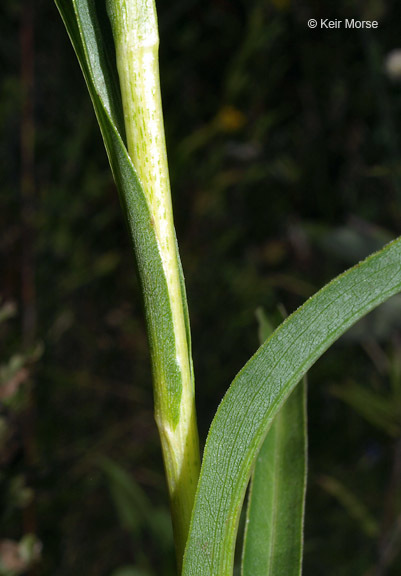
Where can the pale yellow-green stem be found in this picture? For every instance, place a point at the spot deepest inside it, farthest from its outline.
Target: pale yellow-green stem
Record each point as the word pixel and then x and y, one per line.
pixel 135 31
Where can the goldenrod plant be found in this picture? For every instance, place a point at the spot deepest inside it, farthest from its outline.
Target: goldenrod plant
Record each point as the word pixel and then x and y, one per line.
pixel 258 431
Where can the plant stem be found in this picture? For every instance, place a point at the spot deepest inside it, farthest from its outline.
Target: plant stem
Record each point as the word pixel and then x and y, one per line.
pixel 28 295
pixel 135 31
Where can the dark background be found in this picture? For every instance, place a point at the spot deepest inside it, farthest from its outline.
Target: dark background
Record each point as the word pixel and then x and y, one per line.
pixel 283 145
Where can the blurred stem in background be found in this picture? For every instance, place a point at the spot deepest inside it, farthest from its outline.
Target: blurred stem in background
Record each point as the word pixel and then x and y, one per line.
pixel 28 290
pixel 385 112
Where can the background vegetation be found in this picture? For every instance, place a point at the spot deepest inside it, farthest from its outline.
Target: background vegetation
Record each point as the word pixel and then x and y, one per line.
pixel 284 156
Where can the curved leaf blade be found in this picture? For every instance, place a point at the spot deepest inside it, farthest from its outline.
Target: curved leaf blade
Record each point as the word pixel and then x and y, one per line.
pixel 258 392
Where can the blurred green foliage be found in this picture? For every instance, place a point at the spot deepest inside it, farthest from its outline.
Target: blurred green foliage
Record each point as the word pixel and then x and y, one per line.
pixel 284 156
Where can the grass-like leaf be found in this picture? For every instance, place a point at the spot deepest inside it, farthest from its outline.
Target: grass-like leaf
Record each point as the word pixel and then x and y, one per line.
pixel 257 393
pixel 273 542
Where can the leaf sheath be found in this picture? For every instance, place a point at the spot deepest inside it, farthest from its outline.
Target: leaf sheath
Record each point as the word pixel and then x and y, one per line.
pixel 89 30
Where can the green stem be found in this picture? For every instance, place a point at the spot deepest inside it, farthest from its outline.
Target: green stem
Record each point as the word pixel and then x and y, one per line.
pixel 135 31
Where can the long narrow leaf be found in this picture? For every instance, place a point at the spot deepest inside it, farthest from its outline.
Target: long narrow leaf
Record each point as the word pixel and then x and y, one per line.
pixel 273 542
pixel 258 392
